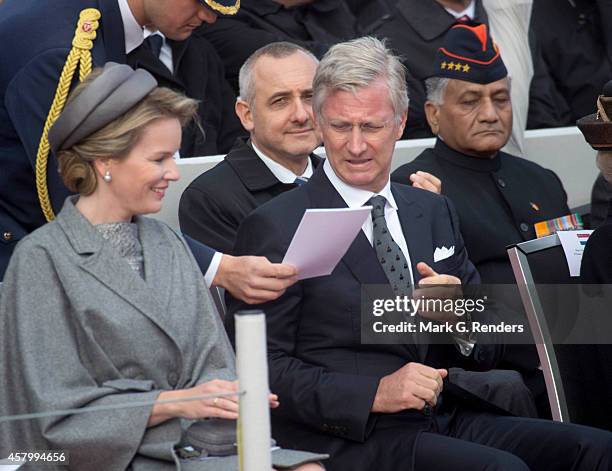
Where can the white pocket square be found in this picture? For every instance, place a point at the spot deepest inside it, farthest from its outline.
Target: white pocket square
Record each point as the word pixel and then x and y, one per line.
pixel 442 252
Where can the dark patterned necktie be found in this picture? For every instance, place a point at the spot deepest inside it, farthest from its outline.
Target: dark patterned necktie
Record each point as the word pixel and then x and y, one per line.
pixel 300 180
pixel 395 266
pixel 154 43
pixel 389 253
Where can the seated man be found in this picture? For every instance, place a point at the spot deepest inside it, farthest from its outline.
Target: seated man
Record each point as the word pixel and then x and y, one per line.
pixel 499 197
pixel 381 406
pixel 275 107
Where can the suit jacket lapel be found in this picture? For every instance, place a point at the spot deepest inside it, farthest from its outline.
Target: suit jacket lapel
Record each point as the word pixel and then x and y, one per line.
pixel 425 18
pixel 411 218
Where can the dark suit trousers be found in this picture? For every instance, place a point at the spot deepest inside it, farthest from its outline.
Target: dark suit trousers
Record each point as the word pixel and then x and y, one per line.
pixel 482 441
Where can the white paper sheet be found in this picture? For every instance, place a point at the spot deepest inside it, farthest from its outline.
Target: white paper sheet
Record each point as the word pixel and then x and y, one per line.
pixel 573 243
pixel 322 239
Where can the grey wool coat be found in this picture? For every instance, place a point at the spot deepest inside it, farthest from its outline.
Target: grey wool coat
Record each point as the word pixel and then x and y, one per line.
pixel 79 327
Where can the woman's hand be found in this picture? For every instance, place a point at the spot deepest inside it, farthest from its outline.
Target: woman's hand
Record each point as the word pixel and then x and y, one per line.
pixel 223 407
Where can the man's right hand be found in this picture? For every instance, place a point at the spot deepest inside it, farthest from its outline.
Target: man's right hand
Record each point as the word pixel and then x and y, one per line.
pixel 410 387
pixel 252 279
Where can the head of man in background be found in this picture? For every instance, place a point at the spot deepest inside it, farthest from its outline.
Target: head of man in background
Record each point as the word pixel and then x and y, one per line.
pixel 468 99
pixel 275 107
pixel 275 103
pixel 177 19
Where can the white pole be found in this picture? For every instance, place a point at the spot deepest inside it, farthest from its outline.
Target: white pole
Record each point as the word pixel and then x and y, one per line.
pixel 252 368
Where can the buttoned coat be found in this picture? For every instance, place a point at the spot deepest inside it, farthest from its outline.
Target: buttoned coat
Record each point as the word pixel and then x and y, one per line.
pixel 81 328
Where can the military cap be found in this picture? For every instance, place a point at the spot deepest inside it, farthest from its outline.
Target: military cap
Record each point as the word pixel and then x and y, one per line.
pixel 468 53
pixel 225 7
pixel 597 127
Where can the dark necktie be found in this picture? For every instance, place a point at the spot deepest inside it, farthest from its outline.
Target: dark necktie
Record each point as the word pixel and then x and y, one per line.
pixel 463 19
pixel 154 43
pixel 300 181
pixel 395 266
pixel 389 254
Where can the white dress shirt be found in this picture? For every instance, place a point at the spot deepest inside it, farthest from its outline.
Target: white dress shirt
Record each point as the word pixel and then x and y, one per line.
pixel 470 11
pixel 282 174
pixel 356 198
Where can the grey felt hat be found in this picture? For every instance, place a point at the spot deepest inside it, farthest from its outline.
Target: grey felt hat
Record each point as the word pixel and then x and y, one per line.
pixel 117 89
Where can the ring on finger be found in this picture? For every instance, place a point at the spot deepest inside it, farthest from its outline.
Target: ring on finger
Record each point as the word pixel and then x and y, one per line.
pixel 215 401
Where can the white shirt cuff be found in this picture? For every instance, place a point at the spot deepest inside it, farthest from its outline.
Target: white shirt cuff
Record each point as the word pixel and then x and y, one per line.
pixel 212 269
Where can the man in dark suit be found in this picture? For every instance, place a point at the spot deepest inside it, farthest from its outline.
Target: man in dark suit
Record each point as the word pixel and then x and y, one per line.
pixel 32 64
pixel 275 107
pixel 385 406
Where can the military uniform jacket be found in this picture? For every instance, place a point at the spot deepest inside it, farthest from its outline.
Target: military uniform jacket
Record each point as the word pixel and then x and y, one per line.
pixel 81 328
pixel 498 201
pixel 214 205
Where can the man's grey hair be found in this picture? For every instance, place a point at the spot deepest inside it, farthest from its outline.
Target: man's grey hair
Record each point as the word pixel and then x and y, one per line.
pixel 277 50
pixel 436 88
pixel 358 63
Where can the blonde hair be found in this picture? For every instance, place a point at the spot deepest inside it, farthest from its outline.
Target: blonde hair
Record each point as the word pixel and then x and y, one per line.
pixel 118 138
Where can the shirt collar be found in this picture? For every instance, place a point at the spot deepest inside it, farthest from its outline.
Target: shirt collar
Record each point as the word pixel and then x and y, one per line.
pixel 134 33
pixel 470 11
pixel 356 197
pixel 283 174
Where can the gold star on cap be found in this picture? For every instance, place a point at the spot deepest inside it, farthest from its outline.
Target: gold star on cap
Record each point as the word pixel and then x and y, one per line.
pixel 457 66
pixel 466 68
pixel 443 65
pixel 450 65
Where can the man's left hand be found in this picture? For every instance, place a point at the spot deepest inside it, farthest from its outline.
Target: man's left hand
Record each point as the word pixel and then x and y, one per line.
pixel 253 279
pixel 436 286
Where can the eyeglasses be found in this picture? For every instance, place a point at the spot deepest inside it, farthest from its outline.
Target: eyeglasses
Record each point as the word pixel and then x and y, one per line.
pixel 372 130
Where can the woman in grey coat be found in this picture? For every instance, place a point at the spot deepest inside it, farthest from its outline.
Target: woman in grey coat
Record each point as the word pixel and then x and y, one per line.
pixel 105 307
